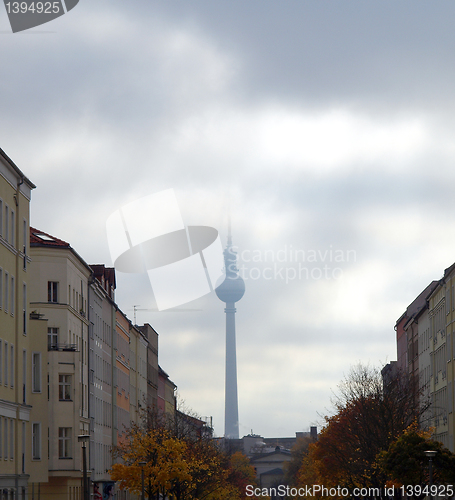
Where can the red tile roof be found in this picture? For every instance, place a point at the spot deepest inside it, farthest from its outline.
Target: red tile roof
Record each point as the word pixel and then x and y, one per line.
pixel 101 271
pixel 40 238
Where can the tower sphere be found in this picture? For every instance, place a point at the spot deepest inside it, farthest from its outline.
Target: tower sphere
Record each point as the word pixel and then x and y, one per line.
pixel 231 290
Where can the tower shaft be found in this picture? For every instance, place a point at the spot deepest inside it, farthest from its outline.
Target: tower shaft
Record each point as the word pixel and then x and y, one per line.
pixel 230 292
pixel 231 410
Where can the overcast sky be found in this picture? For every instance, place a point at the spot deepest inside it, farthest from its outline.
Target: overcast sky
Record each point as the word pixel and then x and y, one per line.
pixel 326 126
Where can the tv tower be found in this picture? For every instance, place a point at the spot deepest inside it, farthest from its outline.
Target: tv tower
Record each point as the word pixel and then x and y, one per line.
pixel 230 292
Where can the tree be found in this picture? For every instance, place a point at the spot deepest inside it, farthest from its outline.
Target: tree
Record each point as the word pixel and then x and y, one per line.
pixel 183 462
pixel 164 469
pixel 405 462
pixel 241 474
pixel 298 452
pixel 309 473
pixel 369 417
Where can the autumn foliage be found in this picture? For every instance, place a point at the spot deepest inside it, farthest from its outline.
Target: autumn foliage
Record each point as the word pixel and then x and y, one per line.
pixel 180 463
pixel 372 439
pixel 405 462
pixel 164 470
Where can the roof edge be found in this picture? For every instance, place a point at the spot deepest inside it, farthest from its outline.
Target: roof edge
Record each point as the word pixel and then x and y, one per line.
pixel 16 169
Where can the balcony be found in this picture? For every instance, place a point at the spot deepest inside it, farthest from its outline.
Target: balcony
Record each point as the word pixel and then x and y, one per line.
pixel 62 347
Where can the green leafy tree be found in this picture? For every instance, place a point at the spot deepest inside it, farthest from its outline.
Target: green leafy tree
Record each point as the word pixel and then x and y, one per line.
pixel 405 462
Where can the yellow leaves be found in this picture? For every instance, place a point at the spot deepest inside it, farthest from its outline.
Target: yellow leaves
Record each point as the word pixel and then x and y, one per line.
pixel 164 461
pixel 126 477
pixel 184 468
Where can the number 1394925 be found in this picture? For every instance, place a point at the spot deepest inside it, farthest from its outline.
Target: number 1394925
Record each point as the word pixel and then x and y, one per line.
pixel 33 7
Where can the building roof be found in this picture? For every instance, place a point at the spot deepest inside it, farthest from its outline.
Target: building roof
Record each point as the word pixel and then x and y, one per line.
pixel 274 472
pixel 104 274
pixel 164 376
pixel 16 169
pixel 40 238
pixel 418 304
pixel 278 451
pixel 449 270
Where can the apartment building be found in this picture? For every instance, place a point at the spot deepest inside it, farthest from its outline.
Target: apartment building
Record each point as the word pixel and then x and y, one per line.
pixel 121 375
pixel 23 416
pixel 416 328
pixel 152 365
pixel 426 351
pixel 449 282
pixel 406 334
pixel 167 401
pixel 424 365
pixel 138 373
pixel 71 362
pixel 102 370
pixel 59 293
pixel 102 310
pixel 442 315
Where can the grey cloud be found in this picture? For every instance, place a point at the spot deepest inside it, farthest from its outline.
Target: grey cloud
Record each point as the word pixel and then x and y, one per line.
pixel 371 55
pixel 110 81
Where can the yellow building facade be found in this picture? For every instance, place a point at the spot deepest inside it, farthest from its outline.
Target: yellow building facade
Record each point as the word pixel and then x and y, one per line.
pixel 23 415
pixel 442 315
pixel 450 352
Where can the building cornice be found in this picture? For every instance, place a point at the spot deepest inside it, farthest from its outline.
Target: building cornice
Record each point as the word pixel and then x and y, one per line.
pixel 14 176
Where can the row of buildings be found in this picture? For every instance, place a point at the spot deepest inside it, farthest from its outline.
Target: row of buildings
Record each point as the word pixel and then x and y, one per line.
pixel 71 362
pixel 425 335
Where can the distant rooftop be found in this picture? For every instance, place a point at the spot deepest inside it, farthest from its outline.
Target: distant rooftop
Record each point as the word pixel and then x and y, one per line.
pixel 40 238
pixel 105 275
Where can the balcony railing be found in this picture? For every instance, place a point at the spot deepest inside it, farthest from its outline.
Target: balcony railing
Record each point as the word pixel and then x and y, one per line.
pixel 62 347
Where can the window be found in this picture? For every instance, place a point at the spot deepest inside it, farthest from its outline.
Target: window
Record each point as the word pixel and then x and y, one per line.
pixel 6 235
pixel 24 235
pixel 5 350
pixel 5 439
pixel 64 442
pixel 36 372
pixel 52 291
pixel 1 288
pixel 5 295
pixel 24 375
pixel 24 238
pixel 36 441
pixel 11 439
pixel 1 218
pixel 12 229
pixel 1 360
pixel 12 296
pixel 24 431
pixel 24 309
pixel 1 438
pixel 12 365
pixel 52 339
pixel 64 387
